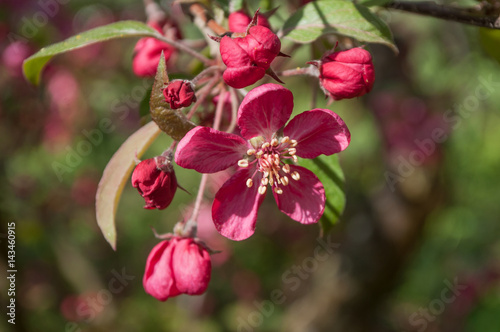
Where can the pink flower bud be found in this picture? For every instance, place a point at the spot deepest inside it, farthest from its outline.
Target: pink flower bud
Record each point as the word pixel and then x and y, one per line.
pixel 177 266
pixel 179 94
pixel 239 21
pixel 155 180
pixel 147 53
pixel 248 58
pixel 347 74
pixel 13 57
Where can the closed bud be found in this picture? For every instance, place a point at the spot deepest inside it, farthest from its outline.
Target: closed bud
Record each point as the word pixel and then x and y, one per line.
pixel 247 58
pixel 177 266
pixel 346 74
pixel 179 94
pixel 156 182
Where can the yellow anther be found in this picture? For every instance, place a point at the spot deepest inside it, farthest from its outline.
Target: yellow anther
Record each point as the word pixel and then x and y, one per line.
pixel 250 152
pixel 259 154
pixel 286 168
pixel 243 163
pixel 292 151
pixel 265 145
pixel 262 190
pixel 284 181
pixel 274 142
pixel 285 139
pixel 249 183
pixel 295 159
pixel 264 181
pixel 277 190
pixel 293 143
pixel 296 176
pixel 271 180
pixel 266 174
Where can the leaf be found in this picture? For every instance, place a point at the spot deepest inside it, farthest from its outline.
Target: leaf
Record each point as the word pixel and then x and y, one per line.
pixel 371 3
pixel 329 172
pixel 116 174
pixel 341 17
pixel 33 65
pixel 172 122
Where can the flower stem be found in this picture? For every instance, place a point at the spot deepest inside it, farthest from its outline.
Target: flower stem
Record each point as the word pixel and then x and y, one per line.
pixel 199 198
pixel 182 47
pixel 309 71
pixel 205 72
pixel 234 110
pixel 202 95
pixel 219 108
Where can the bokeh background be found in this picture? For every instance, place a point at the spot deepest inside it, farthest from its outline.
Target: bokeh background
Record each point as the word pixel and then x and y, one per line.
pixel 417 248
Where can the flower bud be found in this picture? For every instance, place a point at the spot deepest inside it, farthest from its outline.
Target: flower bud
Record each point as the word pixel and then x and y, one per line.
pixel 247 58
pixel 347 74
pixel 177 266
pixel 147 53
pixel 155 180
pixel 239 21
pixel 179 94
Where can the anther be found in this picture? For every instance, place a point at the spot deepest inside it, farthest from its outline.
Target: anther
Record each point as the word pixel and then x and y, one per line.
pixel 243 163
pixel 296 176
pixel 293 143
pixel 277 190
pixel 271 180
pixel 249 183
pixel 286 168
pixel 259 154
pixel 274 142
pixel 284 180
pixel 295 159
pixel 264 181
pixel 262 190
pixel 265 145
pixel 250 152
pixel 285 139
pixel 292 151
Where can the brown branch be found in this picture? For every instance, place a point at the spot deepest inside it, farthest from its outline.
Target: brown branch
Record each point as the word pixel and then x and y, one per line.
pixel 470 16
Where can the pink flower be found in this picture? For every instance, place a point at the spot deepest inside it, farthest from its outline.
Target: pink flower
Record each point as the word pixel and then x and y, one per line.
pixel 260 154
pixel 179 94
pixel 346 74
pixel 248 58
pixel 147 53
pixel 155 180
pixel 177 266
pixel 239 21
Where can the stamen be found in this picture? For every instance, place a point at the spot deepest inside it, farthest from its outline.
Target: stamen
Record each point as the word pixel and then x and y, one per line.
pixel 285 139
pixel 262 190
pixel 259 154
pixel 265 145
pixel 266 174
pixel 286 168
pixel 292 151
pixel 296 176
pixel 271 180
pixel 295 159
pixel 264 181
pixel 249 183
pixel 243 163
pixel 277 190
pixel 284 180
pixel 250 152
pixel 293 143
pixel 274 142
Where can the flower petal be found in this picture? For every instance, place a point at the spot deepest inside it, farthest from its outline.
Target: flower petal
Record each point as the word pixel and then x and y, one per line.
pixel 207 150
pixel 242 77
pixel 158 279
pixel 319 131
pixel 235 206
pixel 302 200
pixel 232 54
pixel 264 110
pixel 191 266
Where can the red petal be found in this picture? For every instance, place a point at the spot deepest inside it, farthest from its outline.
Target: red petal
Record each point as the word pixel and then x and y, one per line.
pixel 207 150
pixel 302 200
pixel 235 206
pixel 192 267
pixel 232 54
pixel 319 131
pixel 158 279
pixel 264 110
pixel 242 77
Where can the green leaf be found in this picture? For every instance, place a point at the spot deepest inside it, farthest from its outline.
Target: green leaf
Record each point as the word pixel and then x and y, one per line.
pixel 116 174
pixel 172 122
pixel 329 172
pixel 33 65
pixel 341 17
pixel 372 3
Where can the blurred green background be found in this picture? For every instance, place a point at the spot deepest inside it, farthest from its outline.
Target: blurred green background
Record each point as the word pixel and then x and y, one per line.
pixel 417 249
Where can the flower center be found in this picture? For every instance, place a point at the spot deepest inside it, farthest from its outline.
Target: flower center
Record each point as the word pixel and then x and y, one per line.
pixel 268 159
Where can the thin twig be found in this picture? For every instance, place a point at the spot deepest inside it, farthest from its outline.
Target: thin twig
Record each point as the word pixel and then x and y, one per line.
pixel 199 198
pixel 180 46
pixel 470 16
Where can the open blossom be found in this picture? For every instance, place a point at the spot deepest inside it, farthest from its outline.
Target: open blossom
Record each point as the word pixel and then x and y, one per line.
pixel 147 52
pixel 177 266
pixel 247 58
pixel 266 155
pixel 155 180
pixel 346 74
pixel 239 20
